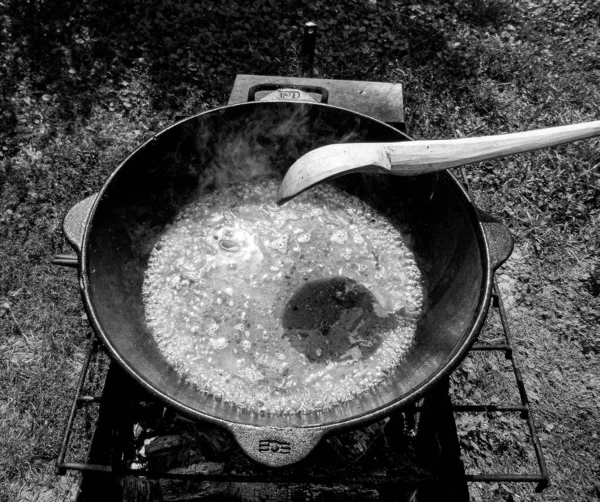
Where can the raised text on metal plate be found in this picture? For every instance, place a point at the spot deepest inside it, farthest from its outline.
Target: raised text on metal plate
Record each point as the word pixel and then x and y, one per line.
pixel 274 446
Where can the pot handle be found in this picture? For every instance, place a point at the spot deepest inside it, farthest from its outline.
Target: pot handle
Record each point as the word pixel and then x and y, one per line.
pixel 73 228
pixel 288 92
pixel 500 240
pixel 276 446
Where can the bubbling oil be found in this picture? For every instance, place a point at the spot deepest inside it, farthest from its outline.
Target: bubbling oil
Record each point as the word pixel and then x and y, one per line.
pixel 282 310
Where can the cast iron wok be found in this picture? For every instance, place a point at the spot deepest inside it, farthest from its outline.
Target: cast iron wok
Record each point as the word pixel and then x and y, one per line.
pixel 456 246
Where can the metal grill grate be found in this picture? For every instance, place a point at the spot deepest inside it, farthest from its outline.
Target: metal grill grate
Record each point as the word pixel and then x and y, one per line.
pixel 83 402
pixel 429 427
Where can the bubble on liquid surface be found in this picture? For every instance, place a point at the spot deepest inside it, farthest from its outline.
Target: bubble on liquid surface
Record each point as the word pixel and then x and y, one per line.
pixel 280 244
pixel 246 300
pixel 339 236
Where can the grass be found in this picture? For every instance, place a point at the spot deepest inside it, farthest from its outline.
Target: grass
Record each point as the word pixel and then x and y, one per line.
pixel 77 98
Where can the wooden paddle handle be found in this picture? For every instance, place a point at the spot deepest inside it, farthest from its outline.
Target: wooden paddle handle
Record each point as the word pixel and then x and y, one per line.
pixel 419 157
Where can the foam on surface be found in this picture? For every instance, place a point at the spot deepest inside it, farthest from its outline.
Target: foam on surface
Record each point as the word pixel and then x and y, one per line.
pixel 229 269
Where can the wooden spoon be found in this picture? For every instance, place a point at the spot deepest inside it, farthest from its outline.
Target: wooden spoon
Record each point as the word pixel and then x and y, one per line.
pixel 408 158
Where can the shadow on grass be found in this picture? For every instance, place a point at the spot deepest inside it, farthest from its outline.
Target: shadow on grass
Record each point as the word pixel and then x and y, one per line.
pixel 73 47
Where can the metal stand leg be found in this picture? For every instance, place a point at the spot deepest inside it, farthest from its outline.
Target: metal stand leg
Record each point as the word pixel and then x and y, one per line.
pixel 308 49
pixel 437 443
pixel 105 447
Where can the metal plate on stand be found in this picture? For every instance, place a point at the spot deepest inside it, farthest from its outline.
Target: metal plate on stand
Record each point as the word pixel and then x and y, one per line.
pixel 380 100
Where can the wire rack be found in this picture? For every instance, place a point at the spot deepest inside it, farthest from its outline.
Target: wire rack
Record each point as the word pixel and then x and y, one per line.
pixel 83 403
pixel 433 419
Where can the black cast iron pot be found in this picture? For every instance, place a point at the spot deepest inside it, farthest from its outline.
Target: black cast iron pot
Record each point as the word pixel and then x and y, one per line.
pixel 457 248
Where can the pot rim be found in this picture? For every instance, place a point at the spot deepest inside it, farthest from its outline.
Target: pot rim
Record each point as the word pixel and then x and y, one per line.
pixel 353 421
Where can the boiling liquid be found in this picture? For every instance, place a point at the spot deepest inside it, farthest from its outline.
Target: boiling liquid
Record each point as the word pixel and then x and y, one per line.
pixel 282 309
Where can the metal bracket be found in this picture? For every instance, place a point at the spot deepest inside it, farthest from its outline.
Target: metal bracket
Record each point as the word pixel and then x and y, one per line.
pixel 75 221
pixel 73 228
pixel 288 92
pixel 500 240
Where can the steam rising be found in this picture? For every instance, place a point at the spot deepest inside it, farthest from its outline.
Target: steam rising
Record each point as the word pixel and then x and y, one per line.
pixel 265 145
pixel 217 149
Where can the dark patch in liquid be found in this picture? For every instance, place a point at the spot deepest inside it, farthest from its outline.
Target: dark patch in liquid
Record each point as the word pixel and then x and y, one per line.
pixel 327 317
